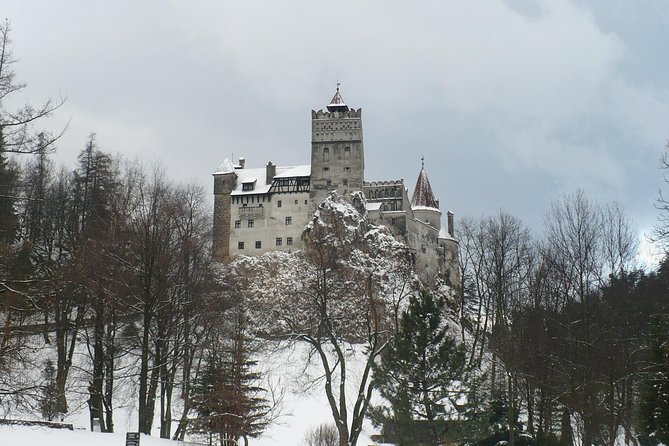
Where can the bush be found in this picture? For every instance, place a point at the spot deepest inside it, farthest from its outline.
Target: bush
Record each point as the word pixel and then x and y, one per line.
pixel 325 434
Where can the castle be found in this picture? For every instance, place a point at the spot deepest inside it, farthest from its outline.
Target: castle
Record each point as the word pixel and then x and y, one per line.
pixel 265 209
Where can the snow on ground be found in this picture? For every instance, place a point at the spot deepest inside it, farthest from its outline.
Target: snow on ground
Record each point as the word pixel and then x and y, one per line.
pixel 44 436
pixel 303 407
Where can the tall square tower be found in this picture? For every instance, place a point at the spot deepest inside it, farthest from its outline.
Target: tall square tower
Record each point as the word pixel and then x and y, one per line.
pixel 337 155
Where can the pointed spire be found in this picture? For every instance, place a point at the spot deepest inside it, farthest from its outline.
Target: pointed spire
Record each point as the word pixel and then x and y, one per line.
pixel 337 103
pixel 422 193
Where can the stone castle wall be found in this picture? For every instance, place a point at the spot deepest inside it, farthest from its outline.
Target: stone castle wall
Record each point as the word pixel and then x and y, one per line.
pixel 337 154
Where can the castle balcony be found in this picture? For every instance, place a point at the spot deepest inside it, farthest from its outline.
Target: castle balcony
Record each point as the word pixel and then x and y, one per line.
pixel 251 211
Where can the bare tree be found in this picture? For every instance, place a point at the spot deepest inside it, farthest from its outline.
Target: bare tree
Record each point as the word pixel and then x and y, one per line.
pixel 325 434
pixel 17 126
pixel 339 302
pixel 660 232
pixel 586 248
pixel 17 136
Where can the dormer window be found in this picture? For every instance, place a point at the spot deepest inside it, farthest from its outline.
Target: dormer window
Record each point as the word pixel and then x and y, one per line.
pixel 248 186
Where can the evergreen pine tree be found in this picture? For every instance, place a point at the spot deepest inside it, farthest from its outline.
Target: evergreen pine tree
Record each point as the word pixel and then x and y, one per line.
pixel 419 374
pixel 49 399
pixel 227 398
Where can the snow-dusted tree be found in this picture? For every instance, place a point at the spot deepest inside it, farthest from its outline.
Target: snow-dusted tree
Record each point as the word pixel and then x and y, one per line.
pixel 227 396
pixel 421 374
pixel 17 126
pixel 340 292
pixel 48 402
pixel 17 136
pixel 325 434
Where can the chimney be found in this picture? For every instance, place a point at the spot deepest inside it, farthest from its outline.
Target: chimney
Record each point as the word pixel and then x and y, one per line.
pixel 242 161
pixel 451 230
pixel 271 172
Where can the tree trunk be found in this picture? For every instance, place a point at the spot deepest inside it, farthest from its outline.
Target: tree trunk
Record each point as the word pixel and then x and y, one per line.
pixel 511 410
pixel 143 412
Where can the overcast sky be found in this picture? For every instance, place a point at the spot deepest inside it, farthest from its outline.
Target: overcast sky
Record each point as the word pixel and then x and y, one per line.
pixel 512 102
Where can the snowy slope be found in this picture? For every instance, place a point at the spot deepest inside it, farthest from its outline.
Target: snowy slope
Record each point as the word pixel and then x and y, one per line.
pixel 42 436
pixel 305 405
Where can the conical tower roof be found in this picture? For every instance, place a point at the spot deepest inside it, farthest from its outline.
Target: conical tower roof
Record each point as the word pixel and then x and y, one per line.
pixel 337 103
pixel 422 193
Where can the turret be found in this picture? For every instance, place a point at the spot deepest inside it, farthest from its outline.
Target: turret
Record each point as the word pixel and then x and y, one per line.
pixel 425 206
pixel 225 180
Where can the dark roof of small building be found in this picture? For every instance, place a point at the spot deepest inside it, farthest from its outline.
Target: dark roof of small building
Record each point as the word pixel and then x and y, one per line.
pixel 422 194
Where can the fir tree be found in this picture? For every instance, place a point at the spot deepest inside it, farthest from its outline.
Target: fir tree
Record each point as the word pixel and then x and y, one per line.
pixel 227 398
pixel 49 399
pixel 419 374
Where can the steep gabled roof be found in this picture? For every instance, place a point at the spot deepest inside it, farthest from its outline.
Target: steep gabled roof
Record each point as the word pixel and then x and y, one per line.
pixel 422 194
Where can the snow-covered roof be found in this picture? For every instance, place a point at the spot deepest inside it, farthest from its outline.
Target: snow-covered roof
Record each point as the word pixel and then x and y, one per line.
pixel 425 208
pixel 422 194
pixel 443 233
pixel 373 206
pixel 296 171
pixel 337 103
pixel 259 176
pixel 225 167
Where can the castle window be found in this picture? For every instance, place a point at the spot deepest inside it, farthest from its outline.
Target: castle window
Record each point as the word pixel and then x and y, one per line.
pixel 347 152
pixel 240 245
pixel 325 169
pixel 250 223
pixel 344 182
pixel 295 201
pixel 258 244
pixel 278 204
pixel 248 186
pixel 328 183
pixel 289 240
pixel 326 154
pixel 289 220
pixel 279 241
pixel 306 202
pixel 238 224
pixel 347 169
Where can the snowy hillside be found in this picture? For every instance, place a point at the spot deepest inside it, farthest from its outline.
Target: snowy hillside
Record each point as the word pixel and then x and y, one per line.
pixel 25 435
pixel 303 407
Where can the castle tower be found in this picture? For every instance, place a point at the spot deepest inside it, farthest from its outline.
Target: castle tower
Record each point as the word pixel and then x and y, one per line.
pixel 425 206
pixel 337 155
pixel 225 180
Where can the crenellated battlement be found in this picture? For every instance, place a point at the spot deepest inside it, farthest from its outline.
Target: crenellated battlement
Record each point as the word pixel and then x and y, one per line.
pixel 383 183
pixel 321 114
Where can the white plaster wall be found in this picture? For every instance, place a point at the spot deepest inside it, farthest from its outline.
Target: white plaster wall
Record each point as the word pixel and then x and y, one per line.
pixel 266 229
